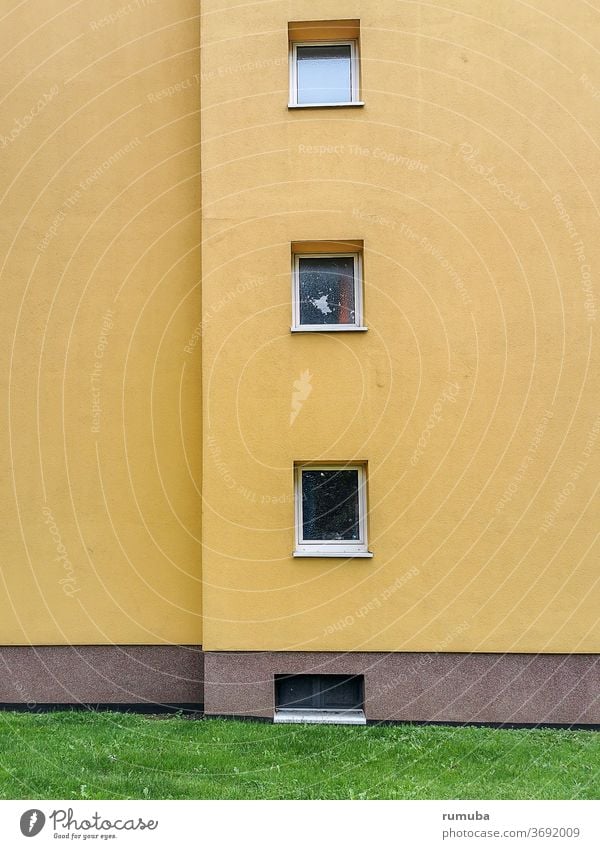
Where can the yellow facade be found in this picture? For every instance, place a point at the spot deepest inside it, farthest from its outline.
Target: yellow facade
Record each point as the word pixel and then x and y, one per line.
pixel 474 394
pixel 100 234
pixel 148 367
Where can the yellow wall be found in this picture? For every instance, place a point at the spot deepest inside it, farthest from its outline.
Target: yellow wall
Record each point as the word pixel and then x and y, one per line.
pixel 485 538
pixel 469 285
pixel 100 212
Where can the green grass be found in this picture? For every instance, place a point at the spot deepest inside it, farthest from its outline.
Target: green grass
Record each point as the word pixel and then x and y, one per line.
pixel 84 755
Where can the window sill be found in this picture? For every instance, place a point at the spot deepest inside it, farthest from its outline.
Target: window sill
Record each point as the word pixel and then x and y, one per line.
pixel 325 105
pixel 328 328
pixel 331 717
pixel 325 553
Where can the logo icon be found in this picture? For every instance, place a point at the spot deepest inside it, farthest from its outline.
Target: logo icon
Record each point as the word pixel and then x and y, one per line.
pixel 32 822
pixel 302 389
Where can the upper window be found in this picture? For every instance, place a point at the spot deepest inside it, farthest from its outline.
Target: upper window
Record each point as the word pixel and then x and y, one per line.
pixel 331 511
pixel 327 291
pixel 324 64
pixel 324 74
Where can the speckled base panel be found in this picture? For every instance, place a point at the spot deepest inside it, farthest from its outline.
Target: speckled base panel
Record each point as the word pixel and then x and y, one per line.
pixel 488 688
pixel 417 687
pixel 125 675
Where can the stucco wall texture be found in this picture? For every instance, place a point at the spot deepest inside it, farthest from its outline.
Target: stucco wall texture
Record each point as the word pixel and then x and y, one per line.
pixel 100 262
pixel 471 175
pixel 148 372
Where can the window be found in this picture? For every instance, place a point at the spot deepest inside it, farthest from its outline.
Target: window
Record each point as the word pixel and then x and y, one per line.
pixel 324 66
pixel 334 698
pixel 331 511
pixel 327 291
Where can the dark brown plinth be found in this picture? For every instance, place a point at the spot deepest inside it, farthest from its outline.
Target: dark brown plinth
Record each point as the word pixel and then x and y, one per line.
pixel 494 688
pixel 126 675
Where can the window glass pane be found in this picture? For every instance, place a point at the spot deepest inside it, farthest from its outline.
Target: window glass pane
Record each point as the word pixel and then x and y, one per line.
pixel 327 290
pixel 295 692
pixel 341 693
pixel 330 504
pixel 324 73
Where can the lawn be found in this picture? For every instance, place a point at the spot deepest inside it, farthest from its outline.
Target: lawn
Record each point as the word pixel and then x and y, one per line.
pixel 86 755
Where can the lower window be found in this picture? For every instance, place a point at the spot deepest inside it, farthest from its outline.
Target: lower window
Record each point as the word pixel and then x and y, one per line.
pixel 319 698
pixel 331 510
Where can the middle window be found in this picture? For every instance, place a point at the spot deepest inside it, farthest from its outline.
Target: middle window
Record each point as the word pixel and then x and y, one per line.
pixel 327 291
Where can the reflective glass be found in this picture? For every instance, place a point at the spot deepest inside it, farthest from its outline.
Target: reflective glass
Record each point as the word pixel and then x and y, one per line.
pixel 330 504
pixel 327 290
pixel 324 73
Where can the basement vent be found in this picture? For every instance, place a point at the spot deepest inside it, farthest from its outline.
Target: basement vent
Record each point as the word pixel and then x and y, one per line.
pixel 320 698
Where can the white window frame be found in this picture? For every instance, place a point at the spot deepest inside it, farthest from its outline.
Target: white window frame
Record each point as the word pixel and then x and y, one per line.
pixel 358 294
pixel 354 73
pixel 331 548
